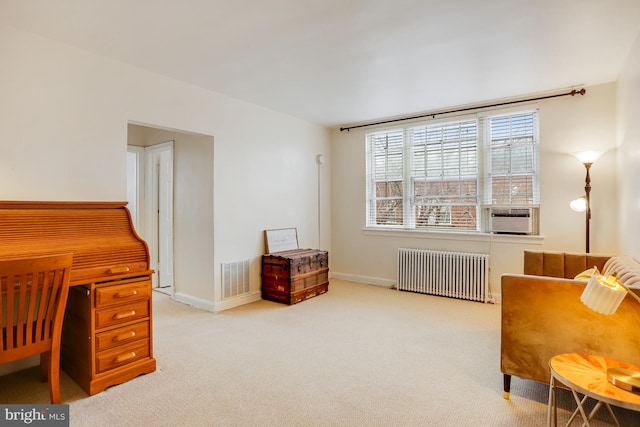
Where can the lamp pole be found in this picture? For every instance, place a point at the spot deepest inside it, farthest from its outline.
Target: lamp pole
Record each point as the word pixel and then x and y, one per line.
pixel 587 158
pixel 587 190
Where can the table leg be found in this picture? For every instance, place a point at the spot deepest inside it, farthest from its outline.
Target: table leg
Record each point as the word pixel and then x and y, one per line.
pixel 612 414
pixel 580 408
pixel 593 412
pixel 595 409
pixel 553 403
pixel 577 410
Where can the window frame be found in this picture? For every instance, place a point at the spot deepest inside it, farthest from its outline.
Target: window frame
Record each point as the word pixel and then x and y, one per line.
pixel 483 176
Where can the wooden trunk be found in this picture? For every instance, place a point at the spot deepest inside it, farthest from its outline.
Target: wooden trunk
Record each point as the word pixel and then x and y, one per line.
pixel 296 275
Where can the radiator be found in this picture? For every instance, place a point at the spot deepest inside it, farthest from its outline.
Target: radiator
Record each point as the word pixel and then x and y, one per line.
pixel 450 274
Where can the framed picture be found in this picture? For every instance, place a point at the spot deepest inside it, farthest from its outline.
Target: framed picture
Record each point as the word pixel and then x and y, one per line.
pixel 281 239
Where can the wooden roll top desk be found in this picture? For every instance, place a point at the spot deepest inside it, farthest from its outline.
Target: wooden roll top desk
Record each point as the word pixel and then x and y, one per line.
pixel 107 330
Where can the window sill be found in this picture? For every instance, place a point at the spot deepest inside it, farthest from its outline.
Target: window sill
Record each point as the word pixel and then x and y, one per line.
pixel 454 235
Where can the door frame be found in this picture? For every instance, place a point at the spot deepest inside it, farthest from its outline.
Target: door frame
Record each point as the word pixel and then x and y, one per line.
pixel 159 212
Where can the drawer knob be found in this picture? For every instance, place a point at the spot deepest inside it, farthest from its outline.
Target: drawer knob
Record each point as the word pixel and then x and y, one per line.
pixel 124 314
pixel 126 294
pixel 125 336
pixel 124 357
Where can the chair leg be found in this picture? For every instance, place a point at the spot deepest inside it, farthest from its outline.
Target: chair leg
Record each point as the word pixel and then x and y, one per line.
pixel 507 386
pixel 54 377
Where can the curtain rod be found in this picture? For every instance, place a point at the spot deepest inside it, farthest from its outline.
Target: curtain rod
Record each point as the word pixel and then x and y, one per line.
pixel 500 104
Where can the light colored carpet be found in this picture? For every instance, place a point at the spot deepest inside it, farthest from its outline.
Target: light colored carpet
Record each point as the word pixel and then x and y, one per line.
pixel 359 355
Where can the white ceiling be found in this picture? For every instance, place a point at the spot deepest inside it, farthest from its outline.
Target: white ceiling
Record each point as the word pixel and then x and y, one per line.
pixel 337 62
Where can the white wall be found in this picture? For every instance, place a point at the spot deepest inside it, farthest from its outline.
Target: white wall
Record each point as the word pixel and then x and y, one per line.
pixel 63 135
pixel 628 113
pixel 567 124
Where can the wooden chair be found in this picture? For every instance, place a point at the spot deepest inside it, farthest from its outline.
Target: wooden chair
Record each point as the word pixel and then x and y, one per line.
pixel 34 297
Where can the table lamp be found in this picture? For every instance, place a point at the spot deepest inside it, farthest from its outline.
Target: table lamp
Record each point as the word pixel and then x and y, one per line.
pixel 604 295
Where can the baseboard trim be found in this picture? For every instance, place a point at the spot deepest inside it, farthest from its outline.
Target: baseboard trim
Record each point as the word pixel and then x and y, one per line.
pixel 238 301
pixel 196 302
pixel 387 283
pixel 257 296
pixel 19 365
pixel 214 307
pixel 497 297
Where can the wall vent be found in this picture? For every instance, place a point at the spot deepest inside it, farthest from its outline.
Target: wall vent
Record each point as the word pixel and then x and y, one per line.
pixel 235 278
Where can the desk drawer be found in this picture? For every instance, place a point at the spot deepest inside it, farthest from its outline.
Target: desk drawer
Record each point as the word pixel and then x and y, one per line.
pixel 119 294
pixel 121 355
pixel 122 314
pixel 122 335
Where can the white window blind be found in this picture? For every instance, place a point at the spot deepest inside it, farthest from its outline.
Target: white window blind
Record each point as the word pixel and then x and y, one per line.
pixel 444 175
pixel 385 177
pixel 513 160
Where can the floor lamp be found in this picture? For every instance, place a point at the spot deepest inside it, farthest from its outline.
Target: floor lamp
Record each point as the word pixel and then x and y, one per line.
pixel 583 204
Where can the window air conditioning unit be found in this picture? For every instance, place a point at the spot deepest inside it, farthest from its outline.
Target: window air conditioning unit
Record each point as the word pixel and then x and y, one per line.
pixel 511 220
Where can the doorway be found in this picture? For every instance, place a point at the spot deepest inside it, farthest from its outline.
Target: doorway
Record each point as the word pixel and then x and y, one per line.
pixel 192 244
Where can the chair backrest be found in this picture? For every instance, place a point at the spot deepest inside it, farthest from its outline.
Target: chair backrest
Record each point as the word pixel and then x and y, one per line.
pixel 561 264
pixel 34 297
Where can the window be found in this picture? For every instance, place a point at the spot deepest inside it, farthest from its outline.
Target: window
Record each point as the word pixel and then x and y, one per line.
pixel 447 175
pixel 513 159
pixel 386 178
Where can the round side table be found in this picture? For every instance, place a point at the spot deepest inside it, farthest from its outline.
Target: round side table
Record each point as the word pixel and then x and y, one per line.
pixel 587 374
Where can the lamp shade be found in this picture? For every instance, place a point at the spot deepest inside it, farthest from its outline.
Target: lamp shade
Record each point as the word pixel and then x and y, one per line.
pixel 589 156
pixel 579 204
pixel 603 295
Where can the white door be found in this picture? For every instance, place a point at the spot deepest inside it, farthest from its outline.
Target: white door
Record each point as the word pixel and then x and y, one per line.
pixel 135 180
pixel 160 212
